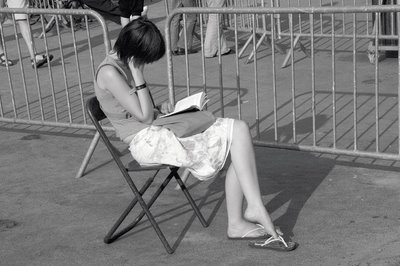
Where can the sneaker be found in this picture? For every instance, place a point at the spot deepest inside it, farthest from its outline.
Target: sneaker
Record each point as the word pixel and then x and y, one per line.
pixel 40 60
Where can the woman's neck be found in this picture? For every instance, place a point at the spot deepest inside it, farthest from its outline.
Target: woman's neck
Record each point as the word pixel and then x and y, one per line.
pixel 114 55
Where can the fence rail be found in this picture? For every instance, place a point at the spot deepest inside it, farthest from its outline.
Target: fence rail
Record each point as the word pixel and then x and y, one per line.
pixel 286 24
pixel 332 101
pixel 52 95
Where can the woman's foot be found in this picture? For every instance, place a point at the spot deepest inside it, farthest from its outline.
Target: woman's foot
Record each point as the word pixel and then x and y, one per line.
pixel 246 230
pixel 262 217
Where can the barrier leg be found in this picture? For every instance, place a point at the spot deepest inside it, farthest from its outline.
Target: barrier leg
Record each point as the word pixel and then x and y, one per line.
pixel 268 42
pixel 290 52
pixel 258 45
pixel 372 56
pixel 51 24
pixel 278 26
pixel 245 45
pixel 47 28
pixel 88 155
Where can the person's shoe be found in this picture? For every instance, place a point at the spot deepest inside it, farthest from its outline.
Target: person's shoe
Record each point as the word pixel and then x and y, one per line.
pixel 224 53
pixel 227 52
pixel 181 51
pixel 40 60
pixel 4 61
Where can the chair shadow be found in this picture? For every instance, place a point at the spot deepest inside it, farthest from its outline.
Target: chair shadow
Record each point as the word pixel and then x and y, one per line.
pixel 184 209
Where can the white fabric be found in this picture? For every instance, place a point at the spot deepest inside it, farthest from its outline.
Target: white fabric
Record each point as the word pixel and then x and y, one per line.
pixel 203 154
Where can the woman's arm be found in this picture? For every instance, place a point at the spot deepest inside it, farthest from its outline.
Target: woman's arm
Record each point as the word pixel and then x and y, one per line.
pixel 137 104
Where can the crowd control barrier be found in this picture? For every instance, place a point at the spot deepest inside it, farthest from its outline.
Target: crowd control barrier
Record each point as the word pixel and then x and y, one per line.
pixel 262 27
pixel 333 100
pixel 54 94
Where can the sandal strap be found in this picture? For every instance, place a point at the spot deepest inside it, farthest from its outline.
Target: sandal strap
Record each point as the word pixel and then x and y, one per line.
pixel 272 239
pixel 260 227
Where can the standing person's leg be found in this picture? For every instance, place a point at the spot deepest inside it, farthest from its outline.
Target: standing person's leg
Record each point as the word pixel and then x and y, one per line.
pixel 26 35
pixel 22 21
pixel 3 59
pixel 37 60
pixel 24 27
pixel 190 24
pixel 242 179
pixel 211 38
pixel 175 25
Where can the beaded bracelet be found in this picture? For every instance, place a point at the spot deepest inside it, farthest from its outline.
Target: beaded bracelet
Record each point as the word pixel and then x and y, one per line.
pixel 140 87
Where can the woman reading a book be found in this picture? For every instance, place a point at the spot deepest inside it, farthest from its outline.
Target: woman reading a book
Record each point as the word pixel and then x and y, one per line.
pixel 125 98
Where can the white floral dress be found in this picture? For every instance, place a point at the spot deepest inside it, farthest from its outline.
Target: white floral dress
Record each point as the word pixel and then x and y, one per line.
pixel 202 154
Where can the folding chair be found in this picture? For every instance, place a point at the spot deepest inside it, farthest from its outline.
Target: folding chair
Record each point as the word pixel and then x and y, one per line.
pixel 96 115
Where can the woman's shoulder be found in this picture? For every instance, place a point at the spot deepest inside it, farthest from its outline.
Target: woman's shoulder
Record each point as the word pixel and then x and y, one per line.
pixel 111 64
pixel 107 70
pixel 108 74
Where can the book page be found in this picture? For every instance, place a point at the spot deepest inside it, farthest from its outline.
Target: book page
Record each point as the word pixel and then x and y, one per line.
pixel 190 101
pixel 195 101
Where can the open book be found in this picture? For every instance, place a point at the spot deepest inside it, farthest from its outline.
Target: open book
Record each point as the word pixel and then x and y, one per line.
pixel 193 102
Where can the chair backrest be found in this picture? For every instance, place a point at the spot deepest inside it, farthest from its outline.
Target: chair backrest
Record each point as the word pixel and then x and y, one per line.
pixel 96 115
pixel 94 110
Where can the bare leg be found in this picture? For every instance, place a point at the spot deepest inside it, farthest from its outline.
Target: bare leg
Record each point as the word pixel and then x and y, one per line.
pixel 237 225
pixel 25 32
pixel 242 179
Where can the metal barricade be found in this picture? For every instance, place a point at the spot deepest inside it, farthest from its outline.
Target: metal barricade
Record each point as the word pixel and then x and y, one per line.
pixel 333 101
pixel 383 24
pixel 50 19
pixel 53 95
pixel 281 22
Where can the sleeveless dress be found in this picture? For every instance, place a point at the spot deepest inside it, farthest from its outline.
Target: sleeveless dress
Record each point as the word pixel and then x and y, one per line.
pixel 203 154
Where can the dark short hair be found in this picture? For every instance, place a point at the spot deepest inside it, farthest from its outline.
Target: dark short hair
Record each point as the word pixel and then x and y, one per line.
pixel 141 40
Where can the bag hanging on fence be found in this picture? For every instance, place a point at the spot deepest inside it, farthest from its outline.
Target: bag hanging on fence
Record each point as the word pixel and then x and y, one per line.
pixel 187 124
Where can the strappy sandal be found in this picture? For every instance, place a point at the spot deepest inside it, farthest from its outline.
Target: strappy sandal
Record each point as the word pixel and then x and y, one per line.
pixel 278 244
pixel 246 236
pixel 42 61
pixel 4 61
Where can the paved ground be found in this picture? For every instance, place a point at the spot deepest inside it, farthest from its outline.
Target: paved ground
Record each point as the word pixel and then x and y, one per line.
pixel 341 211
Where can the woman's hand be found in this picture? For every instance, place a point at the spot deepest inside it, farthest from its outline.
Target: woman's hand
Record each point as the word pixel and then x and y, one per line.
pixel 137 72
pixel 166 107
